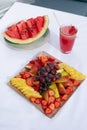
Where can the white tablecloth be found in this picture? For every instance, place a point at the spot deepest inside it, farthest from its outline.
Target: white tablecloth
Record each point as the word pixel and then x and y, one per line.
pixel 15 112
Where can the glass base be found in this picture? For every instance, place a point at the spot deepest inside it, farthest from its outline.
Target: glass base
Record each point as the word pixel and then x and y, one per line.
pixel 65 52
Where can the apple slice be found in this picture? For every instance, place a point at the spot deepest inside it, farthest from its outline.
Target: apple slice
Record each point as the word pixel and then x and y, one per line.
pixel 61 89
pixel 61 80
pixel 45 95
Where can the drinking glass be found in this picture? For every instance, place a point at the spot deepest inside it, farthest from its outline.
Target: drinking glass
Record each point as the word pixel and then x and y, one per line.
pixel 67 38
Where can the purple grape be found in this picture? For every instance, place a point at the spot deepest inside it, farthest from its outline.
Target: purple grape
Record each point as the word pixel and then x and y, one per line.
pixel 53 72
pixel 50 75
pixel 53 79
pixel 42 79
pixel 47 79
pixel 56 67
pixel 42 69
pixel 45 74
pixel 51 65
pixel 40 91
pixel 36 78
pixel 47 68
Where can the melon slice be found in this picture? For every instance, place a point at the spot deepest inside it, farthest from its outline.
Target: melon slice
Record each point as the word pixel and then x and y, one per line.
pixel 27 31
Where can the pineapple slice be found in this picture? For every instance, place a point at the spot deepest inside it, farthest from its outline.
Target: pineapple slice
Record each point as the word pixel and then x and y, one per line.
pixel 72 72
pixel 26 90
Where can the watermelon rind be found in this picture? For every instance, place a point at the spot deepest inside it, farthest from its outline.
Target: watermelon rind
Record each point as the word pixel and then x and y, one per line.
pixel 29 40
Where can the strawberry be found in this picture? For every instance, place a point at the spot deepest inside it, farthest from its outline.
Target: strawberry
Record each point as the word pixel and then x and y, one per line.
pixel 58 62
pixel 44 102
pixel 69 90
pixel 32 62
pixel 64 97
pixel 51 99
pixel 36 88
pixel 29 81
pixel 51 92
pixel 67 77
pixel 44 107
pixel 68 83
pixel 32 99
pixel 57 104
pixel 52 106
pixel 51 59
pixel 36 83
pixel 76 83
pixel 43 59
pixel 27 74
pixel 58 99
pixel 22 75
pixel 48 111
pixel 38 61
pixel 38 101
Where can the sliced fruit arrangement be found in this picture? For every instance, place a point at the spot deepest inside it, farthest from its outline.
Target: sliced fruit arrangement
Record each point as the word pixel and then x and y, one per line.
pixel 47 82
pixel 25 32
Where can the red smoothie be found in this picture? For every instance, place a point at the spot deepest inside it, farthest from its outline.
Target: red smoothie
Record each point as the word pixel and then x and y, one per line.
pixel 67 38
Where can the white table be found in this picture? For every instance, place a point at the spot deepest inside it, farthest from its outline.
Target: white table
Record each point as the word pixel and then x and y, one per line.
pixel 15 112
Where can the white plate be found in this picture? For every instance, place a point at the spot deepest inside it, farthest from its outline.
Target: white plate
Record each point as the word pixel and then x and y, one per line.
pixel 44 39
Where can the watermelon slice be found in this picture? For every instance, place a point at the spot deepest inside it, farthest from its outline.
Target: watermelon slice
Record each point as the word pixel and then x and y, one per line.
pixel 25 32
pixel 39 22
pixel 12 31
pixel 33 30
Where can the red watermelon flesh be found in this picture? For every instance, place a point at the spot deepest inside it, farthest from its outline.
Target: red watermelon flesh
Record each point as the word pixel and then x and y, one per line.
pixel 12 31
pixel 32 27
pixel 26 29
pixel 39 22
pixel 23 30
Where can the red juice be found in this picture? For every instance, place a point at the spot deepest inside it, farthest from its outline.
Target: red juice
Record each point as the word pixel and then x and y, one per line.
pixel 67 38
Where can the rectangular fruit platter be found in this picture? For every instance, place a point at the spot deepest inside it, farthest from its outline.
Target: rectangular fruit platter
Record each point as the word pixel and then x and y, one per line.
pixel 47 83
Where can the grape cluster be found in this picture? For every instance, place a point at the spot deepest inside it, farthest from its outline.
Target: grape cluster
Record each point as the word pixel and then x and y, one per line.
pixel 46 75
